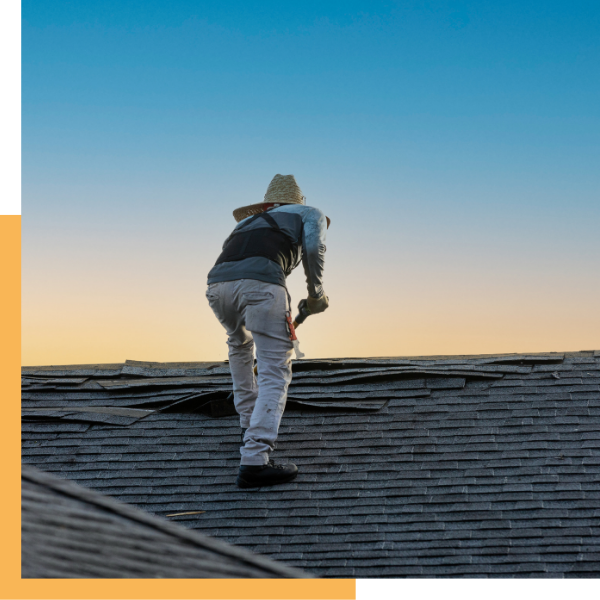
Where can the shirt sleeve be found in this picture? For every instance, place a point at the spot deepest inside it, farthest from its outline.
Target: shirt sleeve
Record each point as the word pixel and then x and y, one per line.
pixel 313 250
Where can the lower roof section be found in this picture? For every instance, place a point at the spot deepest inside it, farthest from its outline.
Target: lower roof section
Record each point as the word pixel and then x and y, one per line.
pixel 71 532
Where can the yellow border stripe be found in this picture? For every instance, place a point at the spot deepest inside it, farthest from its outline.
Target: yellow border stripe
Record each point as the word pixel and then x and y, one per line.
pixel 10 392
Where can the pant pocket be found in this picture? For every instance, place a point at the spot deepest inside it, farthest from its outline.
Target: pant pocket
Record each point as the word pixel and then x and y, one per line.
pixel 258 310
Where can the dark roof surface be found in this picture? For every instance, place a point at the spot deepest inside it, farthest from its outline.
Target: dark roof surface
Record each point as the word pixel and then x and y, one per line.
pixel 439 466
pixel 72 532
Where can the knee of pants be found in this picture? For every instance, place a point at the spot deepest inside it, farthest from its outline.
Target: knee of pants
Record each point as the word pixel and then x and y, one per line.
pixel 275 361
pixel 274 371
pixel 237 346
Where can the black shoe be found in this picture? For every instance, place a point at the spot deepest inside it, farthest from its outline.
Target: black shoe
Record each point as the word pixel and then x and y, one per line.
pixel 243 434
pixel 269 474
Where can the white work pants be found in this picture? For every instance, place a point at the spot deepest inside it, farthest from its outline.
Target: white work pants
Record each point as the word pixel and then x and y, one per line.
pixel 254 313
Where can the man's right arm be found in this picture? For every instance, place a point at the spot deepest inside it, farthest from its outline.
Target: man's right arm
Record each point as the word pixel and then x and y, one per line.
pixel 313 258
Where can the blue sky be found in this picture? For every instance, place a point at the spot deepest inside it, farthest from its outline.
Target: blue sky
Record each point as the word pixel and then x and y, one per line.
pixel 454 138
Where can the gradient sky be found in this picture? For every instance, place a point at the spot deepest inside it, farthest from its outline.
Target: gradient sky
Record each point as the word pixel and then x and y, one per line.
pixel 454 145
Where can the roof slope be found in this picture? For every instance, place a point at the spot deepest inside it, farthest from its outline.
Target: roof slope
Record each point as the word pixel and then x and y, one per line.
pixel 474 466
pixel 69 531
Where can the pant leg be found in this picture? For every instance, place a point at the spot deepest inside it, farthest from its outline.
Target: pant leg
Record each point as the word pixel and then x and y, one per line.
pixel 245 389
pixel 265 307
pixel 223 299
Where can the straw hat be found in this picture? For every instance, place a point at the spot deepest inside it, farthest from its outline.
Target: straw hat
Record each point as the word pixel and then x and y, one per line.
pixel 283 189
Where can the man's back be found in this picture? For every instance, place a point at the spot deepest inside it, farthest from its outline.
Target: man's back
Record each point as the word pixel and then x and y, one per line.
pixel 304 226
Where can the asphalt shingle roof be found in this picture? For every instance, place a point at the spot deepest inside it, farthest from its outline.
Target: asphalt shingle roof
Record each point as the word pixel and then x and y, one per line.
pixel 72 532
pixel 483 466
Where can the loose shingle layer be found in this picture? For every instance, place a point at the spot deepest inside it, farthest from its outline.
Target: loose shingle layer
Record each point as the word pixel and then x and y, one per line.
pixel 71 532
pixel 480 466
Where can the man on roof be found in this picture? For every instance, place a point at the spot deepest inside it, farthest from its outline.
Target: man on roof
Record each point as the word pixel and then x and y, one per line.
pixel 247 293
